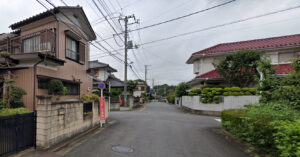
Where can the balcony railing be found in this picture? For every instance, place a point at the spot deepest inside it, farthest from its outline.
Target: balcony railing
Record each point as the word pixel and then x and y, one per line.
pixel 42 41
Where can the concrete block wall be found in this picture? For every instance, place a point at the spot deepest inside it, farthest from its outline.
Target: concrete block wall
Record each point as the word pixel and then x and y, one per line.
pixel 61 120
pixel 230 102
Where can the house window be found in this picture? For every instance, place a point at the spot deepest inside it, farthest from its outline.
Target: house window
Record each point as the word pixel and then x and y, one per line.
pixel 32 44
pixel 43 83
pixel 72 88
pixel 71 48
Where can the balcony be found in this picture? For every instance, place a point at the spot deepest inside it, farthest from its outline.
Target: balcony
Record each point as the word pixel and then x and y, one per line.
pixel 38 42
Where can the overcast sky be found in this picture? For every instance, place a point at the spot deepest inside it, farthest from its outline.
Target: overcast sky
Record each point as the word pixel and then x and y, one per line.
pixel 167 58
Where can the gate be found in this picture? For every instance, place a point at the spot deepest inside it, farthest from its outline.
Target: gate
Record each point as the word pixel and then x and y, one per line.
pixel 17 133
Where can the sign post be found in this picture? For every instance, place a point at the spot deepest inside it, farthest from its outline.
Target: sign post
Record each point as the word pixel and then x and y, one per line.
pixel 101 86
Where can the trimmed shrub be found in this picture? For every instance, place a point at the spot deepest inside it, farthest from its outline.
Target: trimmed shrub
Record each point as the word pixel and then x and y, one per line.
pixel 235 89
pixel 195 91
pixel 216 98
pixel 248 93
pixel 253 90
pixel 56 87
pixel 226 94
pixel 204 101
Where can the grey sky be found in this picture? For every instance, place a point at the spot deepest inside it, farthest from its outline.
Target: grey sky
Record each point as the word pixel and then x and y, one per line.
pixel 167 58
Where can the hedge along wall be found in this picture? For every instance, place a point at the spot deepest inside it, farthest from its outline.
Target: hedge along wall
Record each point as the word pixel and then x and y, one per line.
pixel 213 95
pixel 229 102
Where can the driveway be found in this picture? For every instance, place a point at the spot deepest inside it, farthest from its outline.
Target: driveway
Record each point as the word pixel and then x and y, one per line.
pixel 161 130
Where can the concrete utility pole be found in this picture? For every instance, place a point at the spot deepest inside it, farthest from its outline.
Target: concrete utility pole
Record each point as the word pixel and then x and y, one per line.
pixel 125 19
pixel 146 68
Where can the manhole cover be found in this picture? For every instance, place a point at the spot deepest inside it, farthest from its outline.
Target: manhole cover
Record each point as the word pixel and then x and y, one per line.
pixel 122 149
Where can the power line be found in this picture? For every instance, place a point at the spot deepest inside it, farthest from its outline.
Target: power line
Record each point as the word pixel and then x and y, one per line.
pixel 184 16
pixel 174 19
pixel 117 58
pixel 106 18
pixel 222 25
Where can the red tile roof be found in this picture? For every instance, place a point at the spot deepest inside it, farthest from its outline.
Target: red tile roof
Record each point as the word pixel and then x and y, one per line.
pixel 281 70
pixel 254 44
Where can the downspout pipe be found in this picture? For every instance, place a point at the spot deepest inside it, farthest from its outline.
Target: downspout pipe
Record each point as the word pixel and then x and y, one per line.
pixel 34 80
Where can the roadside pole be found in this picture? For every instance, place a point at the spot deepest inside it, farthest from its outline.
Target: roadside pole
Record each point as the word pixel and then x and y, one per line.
pixel 101 86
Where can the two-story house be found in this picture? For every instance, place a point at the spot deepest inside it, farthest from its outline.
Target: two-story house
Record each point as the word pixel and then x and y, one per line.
pixel 102 72
pixel 140 88
pixel 50 45
pixel 280 50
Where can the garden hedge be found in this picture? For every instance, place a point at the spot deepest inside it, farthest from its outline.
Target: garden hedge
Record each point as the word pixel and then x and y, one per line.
pixel 277 138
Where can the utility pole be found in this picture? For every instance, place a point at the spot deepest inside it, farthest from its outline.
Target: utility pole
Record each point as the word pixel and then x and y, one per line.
pixel 146 69
pixel 125 19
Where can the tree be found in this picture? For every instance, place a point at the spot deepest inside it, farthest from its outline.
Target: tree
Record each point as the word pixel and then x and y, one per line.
pixel 131 85
pixel 181 90
pixel 239 68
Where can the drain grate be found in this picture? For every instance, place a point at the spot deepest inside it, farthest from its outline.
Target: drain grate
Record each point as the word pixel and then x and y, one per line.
pixel 122 149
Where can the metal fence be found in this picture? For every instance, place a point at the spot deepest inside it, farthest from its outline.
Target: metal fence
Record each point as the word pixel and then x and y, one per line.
pixel 17 133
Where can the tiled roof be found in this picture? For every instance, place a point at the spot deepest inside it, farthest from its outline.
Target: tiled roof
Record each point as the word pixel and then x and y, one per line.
pixel 282 69
pixel 98 65
pixel 253 44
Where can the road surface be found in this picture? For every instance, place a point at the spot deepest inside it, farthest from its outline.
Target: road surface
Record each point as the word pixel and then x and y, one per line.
pixel 161 130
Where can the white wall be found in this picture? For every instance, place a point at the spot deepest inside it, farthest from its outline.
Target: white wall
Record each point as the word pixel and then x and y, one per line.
pixel 230 102
pixel 204 65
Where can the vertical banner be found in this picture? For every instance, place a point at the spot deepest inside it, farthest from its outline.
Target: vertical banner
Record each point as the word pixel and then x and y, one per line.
pixel 102 110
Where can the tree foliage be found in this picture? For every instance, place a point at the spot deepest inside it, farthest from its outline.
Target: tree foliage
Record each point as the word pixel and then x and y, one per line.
pixel 286 89
pixel 239 68
pixel 181 90
pixel 56 87
pixel 131 85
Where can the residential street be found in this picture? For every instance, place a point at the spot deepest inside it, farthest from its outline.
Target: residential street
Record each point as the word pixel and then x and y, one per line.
pixel 159 130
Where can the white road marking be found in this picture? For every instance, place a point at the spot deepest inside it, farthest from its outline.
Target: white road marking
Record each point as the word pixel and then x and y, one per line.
pixel 218 119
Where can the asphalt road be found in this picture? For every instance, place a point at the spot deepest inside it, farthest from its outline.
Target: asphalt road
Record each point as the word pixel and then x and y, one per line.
pixel 161 130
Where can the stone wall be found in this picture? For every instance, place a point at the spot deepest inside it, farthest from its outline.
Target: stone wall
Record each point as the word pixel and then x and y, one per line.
pixel 229 102
pixel 57 121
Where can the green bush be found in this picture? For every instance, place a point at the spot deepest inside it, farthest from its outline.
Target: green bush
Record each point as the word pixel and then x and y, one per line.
pixel 260 126
pixel 287 138
pixel 226 94
pixel 3 102
pixel 17 92
pixel 217 102
pixel 247 93
pixel 171 98
pixel 115 92
pixel 204 101
pixel 235 89
pixel 9 111
pixel 195 91
pixel 216 98
pixel 252 90
pixel 90 97
pixel 56 87
pixel 235 93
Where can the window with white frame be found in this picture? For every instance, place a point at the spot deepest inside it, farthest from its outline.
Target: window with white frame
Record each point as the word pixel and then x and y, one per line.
pixel 72 48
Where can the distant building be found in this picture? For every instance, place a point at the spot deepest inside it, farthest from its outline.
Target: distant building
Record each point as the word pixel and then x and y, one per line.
pixel 280 50
pixel 102 72
pixel 140 88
